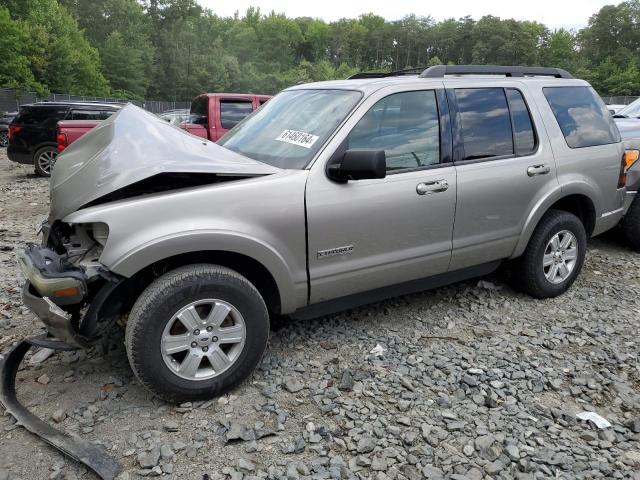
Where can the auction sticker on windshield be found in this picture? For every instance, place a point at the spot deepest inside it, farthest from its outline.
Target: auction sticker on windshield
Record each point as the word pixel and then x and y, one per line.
pixel 295 137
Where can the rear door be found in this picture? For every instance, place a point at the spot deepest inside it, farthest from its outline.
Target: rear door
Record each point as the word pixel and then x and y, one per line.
pixel 504 166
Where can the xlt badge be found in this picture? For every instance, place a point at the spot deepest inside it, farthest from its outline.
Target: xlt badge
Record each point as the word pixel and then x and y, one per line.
pixel 332 252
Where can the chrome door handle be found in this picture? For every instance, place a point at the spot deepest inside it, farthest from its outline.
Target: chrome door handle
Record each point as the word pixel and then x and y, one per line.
pixel 534 170
pixel 426 188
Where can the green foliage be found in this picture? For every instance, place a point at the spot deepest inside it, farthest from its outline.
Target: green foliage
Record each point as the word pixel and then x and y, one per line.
pixel 60 57
pixel 175 49
pixel 15 71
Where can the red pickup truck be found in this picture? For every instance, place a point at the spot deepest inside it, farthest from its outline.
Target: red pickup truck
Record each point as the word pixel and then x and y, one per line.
pixel 211 116
pixel 214 114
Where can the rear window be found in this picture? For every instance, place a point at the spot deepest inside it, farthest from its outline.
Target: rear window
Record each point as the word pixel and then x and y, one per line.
pixel 91 114
pixel 582 116
pixel 232 112
pixel 198 112
pixel 41 115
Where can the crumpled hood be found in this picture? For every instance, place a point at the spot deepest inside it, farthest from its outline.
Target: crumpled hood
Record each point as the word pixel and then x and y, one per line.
pixel 133 145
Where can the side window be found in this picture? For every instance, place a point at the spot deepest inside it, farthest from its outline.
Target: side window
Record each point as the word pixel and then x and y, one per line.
pixel 582 116
pixel 90 114
pixel 232 112
pixel 485 122
pixel 523 131
pixel 198 112
pixel 53 116
pixel 406 126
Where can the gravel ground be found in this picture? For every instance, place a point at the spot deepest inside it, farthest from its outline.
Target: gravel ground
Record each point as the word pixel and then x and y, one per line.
pixel 471 381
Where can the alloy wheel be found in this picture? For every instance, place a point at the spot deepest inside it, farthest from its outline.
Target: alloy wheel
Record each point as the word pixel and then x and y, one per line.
pixel 203 339
pixel 46 160
pixel 560 256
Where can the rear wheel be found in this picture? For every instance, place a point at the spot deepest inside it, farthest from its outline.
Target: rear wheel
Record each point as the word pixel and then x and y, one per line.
pixel 44 160
pixel 631 225
pixel 554 256
pixel 4 138
pixel 196 332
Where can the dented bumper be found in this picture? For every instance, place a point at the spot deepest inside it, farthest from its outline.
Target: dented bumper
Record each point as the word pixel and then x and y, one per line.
pixel 46 272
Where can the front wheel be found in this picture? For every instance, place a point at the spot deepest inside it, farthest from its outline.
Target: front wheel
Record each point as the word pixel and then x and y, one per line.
pixel 44 160
pixel 554 256
pixel 196 332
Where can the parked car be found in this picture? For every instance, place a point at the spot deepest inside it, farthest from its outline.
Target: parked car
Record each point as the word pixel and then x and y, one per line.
pixel 32 133
pixel 175 117
pixel 68 131
pixel 211 116
pixel 332 195
pixel 630 111
pixel 214 114
pixel 5 120
pixel 629 128
pixel 613 109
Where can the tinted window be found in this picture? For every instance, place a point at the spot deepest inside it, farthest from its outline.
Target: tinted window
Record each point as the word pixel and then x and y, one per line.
pixel 45 116
pixel 485 122
pixel 232 112
pixel 523 132
pixel 90 114
pixel 582 116
pixel 404 125
pixel 198 112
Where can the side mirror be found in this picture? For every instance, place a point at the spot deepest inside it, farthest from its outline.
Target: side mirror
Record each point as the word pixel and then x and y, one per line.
pixel 359 165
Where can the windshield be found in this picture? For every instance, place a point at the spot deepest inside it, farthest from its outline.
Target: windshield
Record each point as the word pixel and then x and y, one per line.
pixel 289 130
pixel 632 110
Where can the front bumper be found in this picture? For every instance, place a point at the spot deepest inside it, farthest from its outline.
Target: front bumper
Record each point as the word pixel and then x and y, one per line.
pixel 51 284
pixel 59 323
pixel 45 270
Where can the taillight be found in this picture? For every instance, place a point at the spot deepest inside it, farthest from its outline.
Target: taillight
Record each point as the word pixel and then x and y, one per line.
pixel 12 131
pixel 62 141
pixel 628 159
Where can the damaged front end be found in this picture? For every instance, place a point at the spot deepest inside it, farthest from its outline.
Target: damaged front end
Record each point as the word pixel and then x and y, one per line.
pixel 99 182
pixel 66 286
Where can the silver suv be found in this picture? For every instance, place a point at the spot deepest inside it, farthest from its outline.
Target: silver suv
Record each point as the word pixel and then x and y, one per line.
pixel 330 195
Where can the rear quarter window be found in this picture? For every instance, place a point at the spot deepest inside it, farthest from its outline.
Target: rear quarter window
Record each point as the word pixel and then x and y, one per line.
pixel 582 116
pixel 45 116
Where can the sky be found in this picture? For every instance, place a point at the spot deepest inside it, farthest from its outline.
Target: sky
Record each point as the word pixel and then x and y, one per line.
pixel 553 13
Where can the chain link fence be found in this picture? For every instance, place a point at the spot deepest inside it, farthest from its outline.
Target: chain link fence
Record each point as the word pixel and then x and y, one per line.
pixel 621 100
pixel 10 101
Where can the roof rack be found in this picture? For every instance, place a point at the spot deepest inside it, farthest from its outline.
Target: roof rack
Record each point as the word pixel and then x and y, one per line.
pixel 439 71
pixel 397 73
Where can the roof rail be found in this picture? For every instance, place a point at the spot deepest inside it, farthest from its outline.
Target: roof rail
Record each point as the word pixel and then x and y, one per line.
pixel 439 71
pixel 397 73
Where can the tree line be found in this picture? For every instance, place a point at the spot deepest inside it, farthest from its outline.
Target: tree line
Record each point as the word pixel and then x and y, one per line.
pixel 175 49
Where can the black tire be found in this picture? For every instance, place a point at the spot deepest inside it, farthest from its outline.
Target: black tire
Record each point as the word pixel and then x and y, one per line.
pixel 39 166
pixel 527 272
pixel 164 298
pixel 631 225
pixel 4 138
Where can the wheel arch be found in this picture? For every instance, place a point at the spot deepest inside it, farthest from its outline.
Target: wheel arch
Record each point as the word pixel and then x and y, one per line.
pixel 575 201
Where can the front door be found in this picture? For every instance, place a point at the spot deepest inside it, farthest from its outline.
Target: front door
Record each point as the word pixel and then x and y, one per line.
pixel 368 234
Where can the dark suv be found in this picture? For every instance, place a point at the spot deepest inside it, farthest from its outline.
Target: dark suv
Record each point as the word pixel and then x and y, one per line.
pixel 32 134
